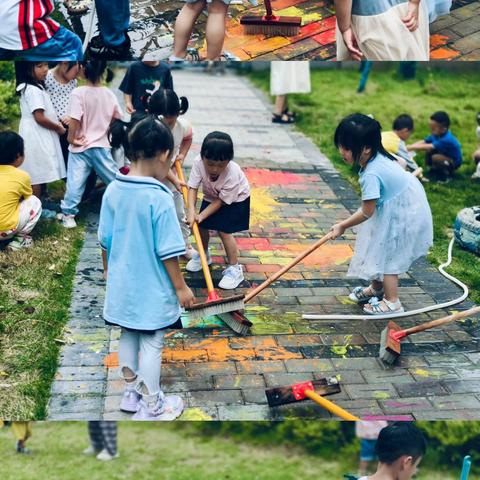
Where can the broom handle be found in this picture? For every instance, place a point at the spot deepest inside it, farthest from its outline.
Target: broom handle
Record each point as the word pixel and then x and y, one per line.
pixel 286 268
pixel 330 406
pixel 441 321
pixel 268 8
pixel 196 233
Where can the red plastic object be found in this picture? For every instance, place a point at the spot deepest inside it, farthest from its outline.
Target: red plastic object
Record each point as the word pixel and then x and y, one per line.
pixel 300 388
pixel 212 296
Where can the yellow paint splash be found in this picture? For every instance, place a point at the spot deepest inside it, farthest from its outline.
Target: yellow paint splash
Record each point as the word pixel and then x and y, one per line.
pixel 296 12
pixel 381 395
pixel 344 300
pixel 339 350
pixel 195 414
pixel 263 206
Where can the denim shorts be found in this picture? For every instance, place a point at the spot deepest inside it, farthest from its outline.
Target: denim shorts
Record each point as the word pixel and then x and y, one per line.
pixel 367 450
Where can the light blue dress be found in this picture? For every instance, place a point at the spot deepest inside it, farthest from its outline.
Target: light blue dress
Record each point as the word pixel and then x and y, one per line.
pixel 401 228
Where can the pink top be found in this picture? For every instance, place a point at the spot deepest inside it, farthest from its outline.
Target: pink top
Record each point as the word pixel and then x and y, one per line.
pixel 369 429
pixel 94 108
pixel 231 186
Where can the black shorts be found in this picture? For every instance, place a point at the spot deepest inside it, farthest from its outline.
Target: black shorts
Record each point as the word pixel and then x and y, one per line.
pixel 177 326
pixel 229 219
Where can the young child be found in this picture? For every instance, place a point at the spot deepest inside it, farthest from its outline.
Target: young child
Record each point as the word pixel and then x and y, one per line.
pixel 141 242
pixel 476 154
pixel 367 431
pixel 39 127
pixel 225 206
pixel 394 143
pixel 380 30
pixel 29 32
pixel 214 28
pixel 22 431
pixel 141 78
pixel 103 440
pixel 400 449
pixel 395 219
pixel 92 109
pixel 443 152
pixel 166 105
pixel 19 209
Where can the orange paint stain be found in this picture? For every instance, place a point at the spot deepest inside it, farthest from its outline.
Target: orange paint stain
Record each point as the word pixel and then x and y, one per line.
pixel 438 40
pixel 111 360
pixel 269 350
pixel 443 54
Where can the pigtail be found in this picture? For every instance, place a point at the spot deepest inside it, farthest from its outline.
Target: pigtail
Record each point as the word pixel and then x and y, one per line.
pixel 183 105
pixel 110 75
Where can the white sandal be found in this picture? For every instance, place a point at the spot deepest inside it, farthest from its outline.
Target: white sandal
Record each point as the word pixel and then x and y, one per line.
pixel 358 295
pixel 376 307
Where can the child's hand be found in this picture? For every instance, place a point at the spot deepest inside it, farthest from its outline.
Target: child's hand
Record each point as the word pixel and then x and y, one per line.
pixel 337 231
pixel 65 120
pixel 60 129
pixel 105 274
pixel 411 20
pixel 130 109
pixel 185 297
pixel 351 44
pixel 199 218
pixel 190 218
pixel 180 158
pixel 79 142
pixel 179 184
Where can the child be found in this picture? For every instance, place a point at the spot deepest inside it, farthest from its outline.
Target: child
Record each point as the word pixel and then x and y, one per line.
pixel 367 431
pixel 476 154
pixel 59 83
pixel 142 77
pixel 214 28
pixel 443 151
pixel 394 143
pixel 92 109
pixel 400 449
pixel 225 206
pixel 395 219
pixel 380 30
pixel 166 104
pixel 19 209
pixel 141 242
pixel 39 127
pixel 103 440
pixel 22 431
pixel 30 33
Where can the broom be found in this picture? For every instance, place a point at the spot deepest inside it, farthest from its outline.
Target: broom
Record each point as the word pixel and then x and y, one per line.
pixel 215 305
pixel 390 346
pixel 270 24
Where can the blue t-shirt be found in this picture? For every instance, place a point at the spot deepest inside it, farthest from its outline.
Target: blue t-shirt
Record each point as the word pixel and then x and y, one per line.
pixel 382 179
pixel 139 229
pixel 448 145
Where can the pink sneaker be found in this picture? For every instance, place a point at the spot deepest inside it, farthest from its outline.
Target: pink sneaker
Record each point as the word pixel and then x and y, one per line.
pixel 166 408
pixel 130 400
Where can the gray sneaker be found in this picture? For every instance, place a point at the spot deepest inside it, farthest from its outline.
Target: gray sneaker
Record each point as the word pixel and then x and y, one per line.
pixel 166 408
pixel 130 400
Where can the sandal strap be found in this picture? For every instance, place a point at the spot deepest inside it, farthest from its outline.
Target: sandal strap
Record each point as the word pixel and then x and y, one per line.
pixel 375 304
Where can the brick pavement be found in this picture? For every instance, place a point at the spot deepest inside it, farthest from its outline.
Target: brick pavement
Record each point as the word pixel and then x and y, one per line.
pixel 296 196
pixel 456 36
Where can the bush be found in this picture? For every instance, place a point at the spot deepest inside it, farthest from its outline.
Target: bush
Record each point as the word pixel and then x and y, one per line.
pixel 9 104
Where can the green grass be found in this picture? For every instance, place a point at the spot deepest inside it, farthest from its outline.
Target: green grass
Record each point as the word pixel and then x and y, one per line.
pixel 169 452
pixel 333 97
pixel 35 291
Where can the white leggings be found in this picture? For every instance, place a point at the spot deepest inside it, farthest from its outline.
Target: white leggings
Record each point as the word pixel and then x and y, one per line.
pixel 142 354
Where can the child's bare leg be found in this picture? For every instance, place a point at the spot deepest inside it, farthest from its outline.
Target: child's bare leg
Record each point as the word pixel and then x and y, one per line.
pixel 205 236
pixel 390 284
pixel 215 29
pixel 184 25
pixel 230 247
pixel 37 190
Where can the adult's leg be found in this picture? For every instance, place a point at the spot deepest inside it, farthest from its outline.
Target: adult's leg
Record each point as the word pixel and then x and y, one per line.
pixel 215 29
pixel 280 104
pixel 184 25
pixel 63 46
pixel 113 20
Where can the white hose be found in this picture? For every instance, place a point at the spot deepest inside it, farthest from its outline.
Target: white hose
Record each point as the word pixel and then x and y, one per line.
pixel 437 306
pixel 90 25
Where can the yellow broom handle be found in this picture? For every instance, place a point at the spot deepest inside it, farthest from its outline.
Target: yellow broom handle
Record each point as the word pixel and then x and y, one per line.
pixel 330 406
pixel 196 232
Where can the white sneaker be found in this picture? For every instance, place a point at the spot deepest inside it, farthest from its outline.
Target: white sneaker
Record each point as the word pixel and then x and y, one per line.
pixel 68 221
pixel 195 265
pixel 190 252
pixel 165 409
pixel 232 277
pixel 90 451
pixel 104 456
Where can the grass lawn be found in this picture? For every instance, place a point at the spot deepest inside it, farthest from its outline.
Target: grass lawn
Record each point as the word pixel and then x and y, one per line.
pixel 35 290
pixel 168 452
pixel 333 97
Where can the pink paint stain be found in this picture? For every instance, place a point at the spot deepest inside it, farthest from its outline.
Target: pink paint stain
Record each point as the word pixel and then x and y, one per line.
pixel 402 405
pixel 261 177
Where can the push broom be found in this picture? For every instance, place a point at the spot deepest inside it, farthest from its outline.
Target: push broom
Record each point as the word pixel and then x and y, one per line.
pixel 215 305
pixel 313 390
pixel 390 346
pixel 270 24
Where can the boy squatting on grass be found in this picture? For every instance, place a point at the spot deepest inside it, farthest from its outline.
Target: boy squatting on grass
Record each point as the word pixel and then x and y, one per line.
pixel 141 241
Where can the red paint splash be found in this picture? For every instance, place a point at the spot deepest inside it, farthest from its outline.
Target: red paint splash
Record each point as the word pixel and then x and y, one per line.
pixel 261 177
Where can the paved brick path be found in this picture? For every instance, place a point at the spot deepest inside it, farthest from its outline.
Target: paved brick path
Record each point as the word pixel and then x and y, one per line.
pixel 296 196
pixel 456 36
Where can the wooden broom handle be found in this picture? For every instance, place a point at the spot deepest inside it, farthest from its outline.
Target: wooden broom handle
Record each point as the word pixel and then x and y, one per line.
pixel 196 233
pixel 286 268
pixel 268 8
pixel 330 406
pixel 441 321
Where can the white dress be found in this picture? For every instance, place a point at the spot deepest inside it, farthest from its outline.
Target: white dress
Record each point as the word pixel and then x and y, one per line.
pixel 381 34
pixel 289 77
pixel 43 153
pixel 401 229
